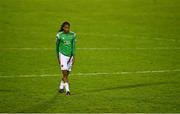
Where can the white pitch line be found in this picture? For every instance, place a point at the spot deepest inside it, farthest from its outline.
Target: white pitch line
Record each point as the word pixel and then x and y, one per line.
pixel 27 49
pixel 135 48
pixel 91 74
pixel 130 36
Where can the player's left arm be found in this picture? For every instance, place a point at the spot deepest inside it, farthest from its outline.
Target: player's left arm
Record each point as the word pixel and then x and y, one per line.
pixel 74 47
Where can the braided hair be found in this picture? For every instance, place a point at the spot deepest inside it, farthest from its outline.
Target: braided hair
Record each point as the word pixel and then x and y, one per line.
pixel 62 26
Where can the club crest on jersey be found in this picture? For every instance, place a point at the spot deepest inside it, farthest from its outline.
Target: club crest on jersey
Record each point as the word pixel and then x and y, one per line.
pixel 66 42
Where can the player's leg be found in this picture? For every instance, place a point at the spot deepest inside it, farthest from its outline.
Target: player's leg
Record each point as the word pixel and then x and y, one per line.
pixel 68 93
pixel 66 82
pixel 61 86
pixel 69 66
pixel 63 66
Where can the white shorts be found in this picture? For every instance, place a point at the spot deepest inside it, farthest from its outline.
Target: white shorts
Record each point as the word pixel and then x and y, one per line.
pixel 66 62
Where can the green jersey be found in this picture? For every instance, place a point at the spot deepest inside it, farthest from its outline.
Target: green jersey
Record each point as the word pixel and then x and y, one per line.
pixel 65 43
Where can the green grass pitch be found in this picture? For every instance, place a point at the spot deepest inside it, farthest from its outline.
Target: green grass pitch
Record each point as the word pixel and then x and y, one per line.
pixel 127 60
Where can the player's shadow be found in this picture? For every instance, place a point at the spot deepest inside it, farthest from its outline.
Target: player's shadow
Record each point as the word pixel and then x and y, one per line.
pixel 129 86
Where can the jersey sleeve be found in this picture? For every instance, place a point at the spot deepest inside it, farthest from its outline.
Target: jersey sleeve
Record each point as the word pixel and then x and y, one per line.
pixel 57 36
pixel 57 44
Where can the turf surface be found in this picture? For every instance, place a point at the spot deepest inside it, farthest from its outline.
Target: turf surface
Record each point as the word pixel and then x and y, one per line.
pixel 130 35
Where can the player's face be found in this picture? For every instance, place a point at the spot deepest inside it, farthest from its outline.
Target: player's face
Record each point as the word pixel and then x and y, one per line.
pixel 66 28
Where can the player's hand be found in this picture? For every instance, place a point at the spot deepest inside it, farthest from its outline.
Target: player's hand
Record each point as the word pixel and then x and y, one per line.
pixel 73 60
pixel 69 60
pixel 58 60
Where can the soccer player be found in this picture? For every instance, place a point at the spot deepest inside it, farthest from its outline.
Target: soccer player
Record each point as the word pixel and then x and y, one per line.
pixel 65 48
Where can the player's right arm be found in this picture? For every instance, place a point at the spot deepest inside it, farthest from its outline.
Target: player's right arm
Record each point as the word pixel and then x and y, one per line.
pixel 57 46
